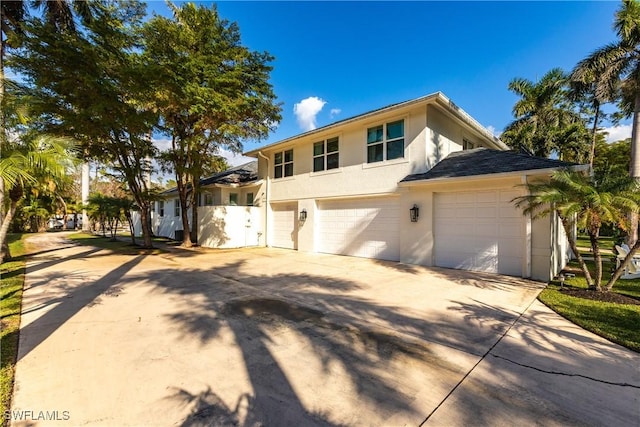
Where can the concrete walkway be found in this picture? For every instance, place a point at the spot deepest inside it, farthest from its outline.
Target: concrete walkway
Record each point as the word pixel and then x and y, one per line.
pixel 274 337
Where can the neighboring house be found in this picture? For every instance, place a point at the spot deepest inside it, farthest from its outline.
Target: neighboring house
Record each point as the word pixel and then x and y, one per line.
pixel 352 187
pixel 229 210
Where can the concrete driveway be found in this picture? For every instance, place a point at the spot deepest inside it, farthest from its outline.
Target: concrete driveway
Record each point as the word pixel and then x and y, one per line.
pixel 275 337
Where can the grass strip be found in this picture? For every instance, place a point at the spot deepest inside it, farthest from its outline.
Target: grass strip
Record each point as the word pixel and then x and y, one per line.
pixel 11 285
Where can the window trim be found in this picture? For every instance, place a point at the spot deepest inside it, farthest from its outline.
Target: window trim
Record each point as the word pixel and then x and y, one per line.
pixel 385 141
pixel 283 163
pixel 325 154
pixel 161 208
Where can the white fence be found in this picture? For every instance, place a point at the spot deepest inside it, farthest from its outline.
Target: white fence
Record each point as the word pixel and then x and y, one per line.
pixel 218 226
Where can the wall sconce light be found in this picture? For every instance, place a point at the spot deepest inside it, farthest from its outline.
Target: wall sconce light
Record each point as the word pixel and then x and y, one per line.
pixel 414 213
pixel 303 215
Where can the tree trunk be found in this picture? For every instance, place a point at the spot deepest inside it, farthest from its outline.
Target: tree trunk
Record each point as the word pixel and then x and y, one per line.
pixel 4 229
pixel 146 227
pixel 594 134
pixel 194 213
pixel 184 214
pixel 572 244
pixel 597 256
pixel 634 166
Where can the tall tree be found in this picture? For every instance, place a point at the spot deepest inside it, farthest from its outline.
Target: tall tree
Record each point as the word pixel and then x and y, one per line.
pixel 545 120
pixel 210 91
pixel 580 201
pixel 88 84
pixel 618 64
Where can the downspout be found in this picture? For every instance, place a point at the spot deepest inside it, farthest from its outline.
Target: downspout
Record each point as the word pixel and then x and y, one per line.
pixel 528 248
pixel 266 196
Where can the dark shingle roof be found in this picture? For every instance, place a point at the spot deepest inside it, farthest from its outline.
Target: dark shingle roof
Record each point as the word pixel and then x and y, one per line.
pixel 483 161
pixel 236 175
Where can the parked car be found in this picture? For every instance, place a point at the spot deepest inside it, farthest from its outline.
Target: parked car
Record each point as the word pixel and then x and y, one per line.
pixel 55 224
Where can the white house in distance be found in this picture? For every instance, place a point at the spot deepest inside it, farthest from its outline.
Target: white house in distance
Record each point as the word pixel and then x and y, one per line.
pixel 420 182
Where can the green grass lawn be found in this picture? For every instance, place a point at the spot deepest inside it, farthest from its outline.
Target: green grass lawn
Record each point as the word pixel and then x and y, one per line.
pixel 122 246
pixel 616 322
pixel 11 283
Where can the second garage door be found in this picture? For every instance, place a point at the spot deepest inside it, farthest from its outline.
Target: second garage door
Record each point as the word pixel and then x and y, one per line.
pixel 480 231
pixel 367 228
pixel 285 225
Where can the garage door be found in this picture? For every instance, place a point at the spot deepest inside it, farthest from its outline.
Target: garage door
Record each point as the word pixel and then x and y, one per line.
pixel 285 225
pixel 368 228
pixel 479 231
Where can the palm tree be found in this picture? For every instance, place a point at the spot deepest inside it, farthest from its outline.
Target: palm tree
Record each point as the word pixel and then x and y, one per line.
pixel 618 64
pixel 26 161
pixel 543 115
pixel 580 201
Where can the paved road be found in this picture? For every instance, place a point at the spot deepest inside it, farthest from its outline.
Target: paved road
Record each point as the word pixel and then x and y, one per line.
pixel 274 337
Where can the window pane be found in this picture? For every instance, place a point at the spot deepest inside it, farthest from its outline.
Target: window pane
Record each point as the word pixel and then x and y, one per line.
pixel 332 145
pixel 278 158
pixel 249 199
pixel 318 163
pixel 395 149
pixel 318 148
pixel 395 129
pixel 288 169
pixel 233 199
pixel 374 153
pixel 278 172
pixel 333 161
pixel 374 134
pixel 288 156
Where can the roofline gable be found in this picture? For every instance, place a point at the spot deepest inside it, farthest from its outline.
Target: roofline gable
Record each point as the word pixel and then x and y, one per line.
pixel 437 98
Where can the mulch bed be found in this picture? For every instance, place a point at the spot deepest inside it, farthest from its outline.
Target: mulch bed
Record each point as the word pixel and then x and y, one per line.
pixel 600 296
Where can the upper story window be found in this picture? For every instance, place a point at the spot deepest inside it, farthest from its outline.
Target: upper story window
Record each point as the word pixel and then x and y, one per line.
pixel 467 145
pixel 325 155
pixel 208 199
pixel 283 164
pixel 233 199
pixel 249 199
pixel 161 208
pixel 385 142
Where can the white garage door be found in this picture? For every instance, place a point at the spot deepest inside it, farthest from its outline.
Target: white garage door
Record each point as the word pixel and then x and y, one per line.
pixel 368 228
pixel 479 231
pixel 285 225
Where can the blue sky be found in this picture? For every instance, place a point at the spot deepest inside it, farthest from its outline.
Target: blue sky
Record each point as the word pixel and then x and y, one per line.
pixel 352 57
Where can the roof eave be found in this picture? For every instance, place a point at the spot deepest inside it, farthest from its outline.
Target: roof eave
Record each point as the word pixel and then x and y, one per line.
pixel 426 99
pixel 489 176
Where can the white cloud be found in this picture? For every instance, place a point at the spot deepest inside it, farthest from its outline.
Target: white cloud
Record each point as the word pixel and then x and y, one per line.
pixel 234 159
pixel 494 131
pixel 334 112
pixel 617 133
pixel 162 144
pixel 306 112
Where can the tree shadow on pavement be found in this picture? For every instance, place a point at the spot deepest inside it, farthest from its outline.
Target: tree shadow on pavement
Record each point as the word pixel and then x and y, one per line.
pixel 364 338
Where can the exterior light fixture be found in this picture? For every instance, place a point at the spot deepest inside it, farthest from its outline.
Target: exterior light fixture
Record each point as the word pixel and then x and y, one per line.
pixel 303 215
pixel 414 213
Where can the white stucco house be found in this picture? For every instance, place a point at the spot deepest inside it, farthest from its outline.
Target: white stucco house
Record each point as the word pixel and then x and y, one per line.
pixel 419 182
pixel 349 188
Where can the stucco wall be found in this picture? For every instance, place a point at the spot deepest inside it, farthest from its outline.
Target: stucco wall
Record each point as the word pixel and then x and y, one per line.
pixel 229 226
